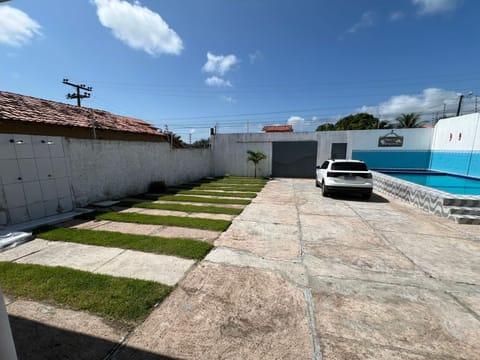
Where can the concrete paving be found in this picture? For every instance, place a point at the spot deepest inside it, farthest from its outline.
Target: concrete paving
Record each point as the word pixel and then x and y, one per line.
pixel 102 260
pixel 147 229
pixel 160 212
pixel 299 276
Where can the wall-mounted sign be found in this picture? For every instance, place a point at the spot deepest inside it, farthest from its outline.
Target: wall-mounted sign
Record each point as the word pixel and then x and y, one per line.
pixel 390 140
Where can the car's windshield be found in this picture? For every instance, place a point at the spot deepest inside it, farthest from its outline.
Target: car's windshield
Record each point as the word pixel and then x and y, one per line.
pixel 355 166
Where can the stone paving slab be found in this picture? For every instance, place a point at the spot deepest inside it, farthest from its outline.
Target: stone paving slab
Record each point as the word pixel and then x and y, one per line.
pixel 342 231
pixel 225 312
pixel 71 255
pixel 234 206
pixel 111 261
pixel 442 257
pixel 179 213
pixel 295 272
pixel 263 239
pixel 270 213
pixel 60 333
pixel 22 250
pixel 407 318
pixel 342 349
pixel 152 230
pixel 164 269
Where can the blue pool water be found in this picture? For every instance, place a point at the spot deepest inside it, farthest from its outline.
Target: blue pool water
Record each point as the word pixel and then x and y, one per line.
pixel 440 181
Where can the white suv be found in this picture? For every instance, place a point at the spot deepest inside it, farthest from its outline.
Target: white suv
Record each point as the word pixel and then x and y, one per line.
pixel 350 176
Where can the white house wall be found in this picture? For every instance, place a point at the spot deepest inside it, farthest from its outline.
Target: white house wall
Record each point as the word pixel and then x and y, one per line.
pixel 456 145
pixel 49 175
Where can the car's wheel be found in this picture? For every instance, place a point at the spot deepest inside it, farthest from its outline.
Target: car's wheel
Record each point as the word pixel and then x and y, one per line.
pixel 324 189
pixel 316 183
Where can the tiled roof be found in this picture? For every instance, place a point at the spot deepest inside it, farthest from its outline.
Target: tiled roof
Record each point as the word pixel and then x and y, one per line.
pixel 278 128
pixel 29 109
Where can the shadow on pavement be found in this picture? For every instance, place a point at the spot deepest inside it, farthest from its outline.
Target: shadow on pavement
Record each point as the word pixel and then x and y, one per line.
pixel 375 198
pixel 37 341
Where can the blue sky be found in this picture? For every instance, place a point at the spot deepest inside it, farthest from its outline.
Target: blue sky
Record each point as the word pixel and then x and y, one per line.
pixel 243 64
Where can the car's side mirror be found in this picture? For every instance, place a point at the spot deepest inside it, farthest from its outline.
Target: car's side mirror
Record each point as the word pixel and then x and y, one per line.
pixel 318 166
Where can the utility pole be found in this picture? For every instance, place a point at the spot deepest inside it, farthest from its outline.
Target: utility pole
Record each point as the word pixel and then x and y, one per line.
pixel 460 105
pixel 77 95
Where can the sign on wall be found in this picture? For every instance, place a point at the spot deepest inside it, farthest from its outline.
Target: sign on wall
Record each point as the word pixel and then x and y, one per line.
pixel 390 140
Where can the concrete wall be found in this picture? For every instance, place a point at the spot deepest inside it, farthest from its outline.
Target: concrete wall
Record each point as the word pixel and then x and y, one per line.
pixel 456 145
pixel 108 169
pixel 230 149
pixel 47 175
pixel 414 154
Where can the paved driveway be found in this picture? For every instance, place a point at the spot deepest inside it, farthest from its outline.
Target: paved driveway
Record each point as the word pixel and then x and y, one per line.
pixel 298 276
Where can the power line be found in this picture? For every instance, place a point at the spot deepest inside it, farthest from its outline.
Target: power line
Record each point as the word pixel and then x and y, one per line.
pixel 77 95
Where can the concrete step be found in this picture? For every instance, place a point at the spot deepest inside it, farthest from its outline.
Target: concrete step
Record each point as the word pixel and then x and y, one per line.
pixel 463 210
pixel 462 202
pixel 466 219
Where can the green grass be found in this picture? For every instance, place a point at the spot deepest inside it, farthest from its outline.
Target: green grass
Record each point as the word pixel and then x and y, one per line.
pixel 217 193
pixel 199 199
pixel 186 248
pixel 189 208
pixel 196 223
pixel 240 188
pixel 116 298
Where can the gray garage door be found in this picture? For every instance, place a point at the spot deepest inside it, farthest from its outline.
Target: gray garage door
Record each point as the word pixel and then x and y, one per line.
pixel 294 159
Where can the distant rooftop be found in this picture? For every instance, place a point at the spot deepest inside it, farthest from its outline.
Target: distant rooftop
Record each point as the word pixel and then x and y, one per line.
pixel 278 128
pixel 31 110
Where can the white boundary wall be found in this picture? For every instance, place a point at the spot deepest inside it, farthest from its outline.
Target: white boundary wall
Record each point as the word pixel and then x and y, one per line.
pixel 43 176
pixel 230 149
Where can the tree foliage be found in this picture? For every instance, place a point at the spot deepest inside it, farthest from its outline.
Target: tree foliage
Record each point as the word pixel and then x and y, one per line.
pixel 411 120
pixel 202 144
pixel 255 157
pixel 360 121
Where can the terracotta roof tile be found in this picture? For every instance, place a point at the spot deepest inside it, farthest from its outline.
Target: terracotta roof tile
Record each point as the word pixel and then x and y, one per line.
pixel 278 128
pixel 29 109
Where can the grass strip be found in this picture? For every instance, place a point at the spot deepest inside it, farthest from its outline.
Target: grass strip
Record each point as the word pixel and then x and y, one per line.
pixel 116 298
pixel 186 248
pixel 198 199
pixel 230 188
pixel 189 208
pixel 217 193
pixel 182 221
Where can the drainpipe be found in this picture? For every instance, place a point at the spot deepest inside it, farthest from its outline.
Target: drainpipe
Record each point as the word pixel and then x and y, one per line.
pixel 7 347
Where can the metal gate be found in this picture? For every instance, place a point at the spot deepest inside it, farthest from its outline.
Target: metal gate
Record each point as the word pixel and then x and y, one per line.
pixel 294 159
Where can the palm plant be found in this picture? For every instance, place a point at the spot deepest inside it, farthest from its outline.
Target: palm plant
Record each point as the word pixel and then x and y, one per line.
pixel 255 157
pixel 411 120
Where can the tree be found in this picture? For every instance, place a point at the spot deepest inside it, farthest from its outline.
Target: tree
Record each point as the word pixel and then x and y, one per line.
pixel 360 121
pixel 255 157
pixel 202 143
pixel 382 124
pixel 411 120
pixel 326 127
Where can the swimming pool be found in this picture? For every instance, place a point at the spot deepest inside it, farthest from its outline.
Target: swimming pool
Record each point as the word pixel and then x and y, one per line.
pixel 453 184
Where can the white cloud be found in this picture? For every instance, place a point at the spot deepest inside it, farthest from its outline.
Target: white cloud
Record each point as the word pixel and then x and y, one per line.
pixel 435 6
pixel 219 64
pixel 295 120
pixel 428 102
pixel 16 27
pixel 138 27
pixel 365 21
pixel 397 16
pixel 229 99
pixel 218 82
